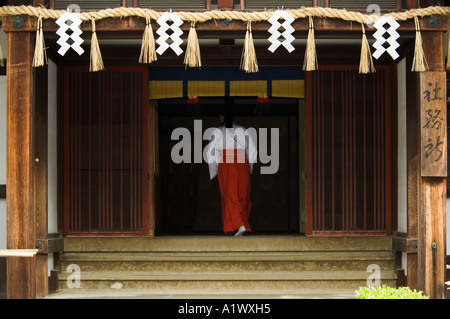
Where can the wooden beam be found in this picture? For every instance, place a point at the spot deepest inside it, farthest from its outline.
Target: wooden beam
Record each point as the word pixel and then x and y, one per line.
pixel 404 244
pixel 20 201
pixel 50 246
pixel 136 24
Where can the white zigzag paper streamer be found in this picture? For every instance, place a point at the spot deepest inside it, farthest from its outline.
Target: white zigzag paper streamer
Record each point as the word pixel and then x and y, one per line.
pixel 392 40
pixel 175 36
pixel 75 36
pixel 287 33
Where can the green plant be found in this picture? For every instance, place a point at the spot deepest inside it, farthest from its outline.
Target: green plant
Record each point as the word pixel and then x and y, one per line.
pixel 385 292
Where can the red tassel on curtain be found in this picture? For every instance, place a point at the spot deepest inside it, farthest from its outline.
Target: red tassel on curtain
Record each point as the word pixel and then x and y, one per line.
pixel 263 99
pixel 193 100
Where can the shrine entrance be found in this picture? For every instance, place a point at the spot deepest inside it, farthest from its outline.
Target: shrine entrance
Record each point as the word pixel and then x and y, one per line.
pixel 190 202
pixel 333 156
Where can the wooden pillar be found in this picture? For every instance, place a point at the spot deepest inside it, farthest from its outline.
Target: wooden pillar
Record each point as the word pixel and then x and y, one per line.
pixel 27 126
pixel 20 200
pixel 412 116
pixel 427 169
pixel 39 139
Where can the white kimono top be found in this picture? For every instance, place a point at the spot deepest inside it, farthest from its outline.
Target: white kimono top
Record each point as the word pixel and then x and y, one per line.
pixel 223 138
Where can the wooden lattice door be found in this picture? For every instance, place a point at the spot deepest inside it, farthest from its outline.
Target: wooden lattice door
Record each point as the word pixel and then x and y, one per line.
pixel 348 152
pixel 105 151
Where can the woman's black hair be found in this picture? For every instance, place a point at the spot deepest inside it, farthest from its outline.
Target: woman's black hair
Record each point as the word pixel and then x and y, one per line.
pixel 227 113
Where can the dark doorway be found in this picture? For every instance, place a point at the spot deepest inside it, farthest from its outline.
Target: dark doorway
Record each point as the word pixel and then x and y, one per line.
pixel 190 201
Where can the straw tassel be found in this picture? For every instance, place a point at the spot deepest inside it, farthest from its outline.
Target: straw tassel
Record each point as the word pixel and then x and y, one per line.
pixel 193 57
pixel 310 62
pixel 96 55
pixel 40 56
pixel 366 62
pixel 249 63
pixel 419 62
pixel 148 51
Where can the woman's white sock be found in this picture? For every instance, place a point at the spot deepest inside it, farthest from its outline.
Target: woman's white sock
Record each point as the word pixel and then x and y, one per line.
pixel 241 231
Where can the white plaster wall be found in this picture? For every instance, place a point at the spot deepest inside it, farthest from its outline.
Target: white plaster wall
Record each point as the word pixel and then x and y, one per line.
pixel 3 145
pixel 52 192
pixel 401 149
pixel 402 201
pixel 52 148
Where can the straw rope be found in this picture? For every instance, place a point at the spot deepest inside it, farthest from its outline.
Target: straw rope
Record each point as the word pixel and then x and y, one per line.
pixel 248 61
pixel 252 16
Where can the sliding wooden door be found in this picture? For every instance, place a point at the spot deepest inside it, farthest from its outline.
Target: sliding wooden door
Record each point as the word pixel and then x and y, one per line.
pixel 105 151
pixel 348 152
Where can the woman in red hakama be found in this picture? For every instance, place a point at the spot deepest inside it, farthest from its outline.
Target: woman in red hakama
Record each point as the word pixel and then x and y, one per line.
pixel 234 184
pixel 234 154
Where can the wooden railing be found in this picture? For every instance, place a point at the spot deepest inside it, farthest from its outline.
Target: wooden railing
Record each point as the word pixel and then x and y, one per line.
pixel 18 252
pixel 410 4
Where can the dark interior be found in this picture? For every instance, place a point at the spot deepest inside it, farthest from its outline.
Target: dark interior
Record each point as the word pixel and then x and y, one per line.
pixel 190 201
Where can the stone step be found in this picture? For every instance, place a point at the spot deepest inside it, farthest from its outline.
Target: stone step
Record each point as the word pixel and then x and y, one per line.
pixel 260 281
pixel 224 264
pixel 225 243
pixel 228 261
pixel 188 294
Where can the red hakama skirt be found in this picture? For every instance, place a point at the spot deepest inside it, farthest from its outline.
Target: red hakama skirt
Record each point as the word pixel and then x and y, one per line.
pixel 234 183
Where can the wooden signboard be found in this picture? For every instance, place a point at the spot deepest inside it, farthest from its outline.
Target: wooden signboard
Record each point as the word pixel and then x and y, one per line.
pixel 433 131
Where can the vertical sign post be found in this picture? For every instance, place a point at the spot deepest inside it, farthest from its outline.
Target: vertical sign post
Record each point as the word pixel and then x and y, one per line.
pixel 433 124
